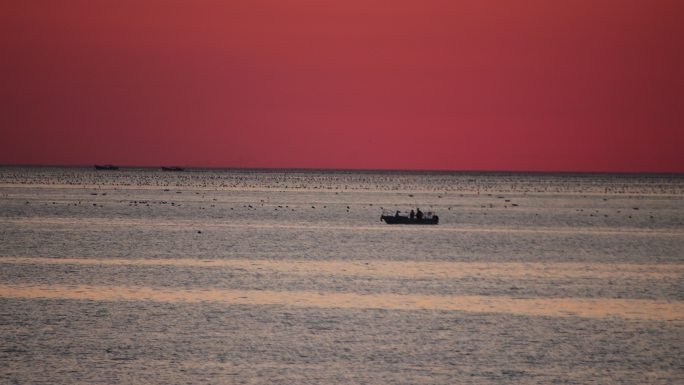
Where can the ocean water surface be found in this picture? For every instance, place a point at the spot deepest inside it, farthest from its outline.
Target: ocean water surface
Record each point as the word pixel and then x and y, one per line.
pixel 141 276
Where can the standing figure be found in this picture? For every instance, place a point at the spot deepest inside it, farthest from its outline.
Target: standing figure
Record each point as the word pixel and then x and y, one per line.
pixel 412 215
pixel 419 214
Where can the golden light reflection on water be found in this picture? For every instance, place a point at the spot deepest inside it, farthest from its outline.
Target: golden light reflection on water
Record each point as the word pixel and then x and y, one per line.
pixel 565 307
pixel 410 269
pixel 141 222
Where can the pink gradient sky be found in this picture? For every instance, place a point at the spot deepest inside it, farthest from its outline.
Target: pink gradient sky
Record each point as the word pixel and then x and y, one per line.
pixel 452 85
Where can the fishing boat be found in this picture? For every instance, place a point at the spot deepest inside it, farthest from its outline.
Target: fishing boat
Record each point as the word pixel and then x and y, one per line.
pixel 106 167
pixel 428 218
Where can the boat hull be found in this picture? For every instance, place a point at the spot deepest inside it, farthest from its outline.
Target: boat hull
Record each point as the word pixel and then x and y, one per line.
pixel 402 220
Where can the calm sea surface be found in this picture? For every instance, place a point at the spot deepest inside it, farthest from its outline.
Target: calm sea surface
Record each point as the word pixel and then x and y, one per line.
pixel 140 276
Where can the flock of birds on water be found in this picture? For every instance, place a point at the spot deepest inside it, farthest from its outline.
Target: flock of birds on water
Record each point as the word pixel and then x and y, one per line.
pixel 147 203
pixel 463 182
pixel 438 184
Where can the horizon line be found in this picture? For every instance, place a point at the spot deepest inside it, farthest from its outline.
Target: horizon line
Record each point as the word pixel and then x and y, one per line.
pixel 324 169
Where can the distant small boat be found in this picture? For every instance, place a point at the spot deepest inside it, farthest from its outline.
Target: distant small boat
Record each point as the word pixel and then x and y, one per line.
pixel 174 168
pixel 106 167
pixel 396 219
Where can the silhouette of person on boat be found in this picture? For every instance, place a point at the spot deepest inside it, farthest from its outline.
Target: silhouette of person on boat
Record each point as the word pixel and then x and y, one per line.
pixel 416 217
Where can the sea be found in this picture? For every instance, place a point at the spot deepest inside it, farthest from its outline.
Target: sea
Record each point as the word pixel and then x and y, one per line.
pixel 207 276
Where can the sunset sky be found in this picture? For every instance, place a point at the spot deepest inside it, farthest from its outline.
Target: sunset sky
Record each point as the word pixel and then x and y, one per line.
pixel 567 85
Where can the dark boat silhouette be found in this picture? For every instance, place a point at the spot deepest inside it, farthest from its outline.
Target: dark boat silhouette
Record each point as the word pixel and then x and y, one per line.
pixel 396 219
pixel 106 167
pixel 174 168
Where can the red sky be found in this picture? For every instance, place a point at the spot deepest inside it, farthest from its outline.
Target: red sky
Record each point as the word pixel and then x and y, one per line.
pixel 564 85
